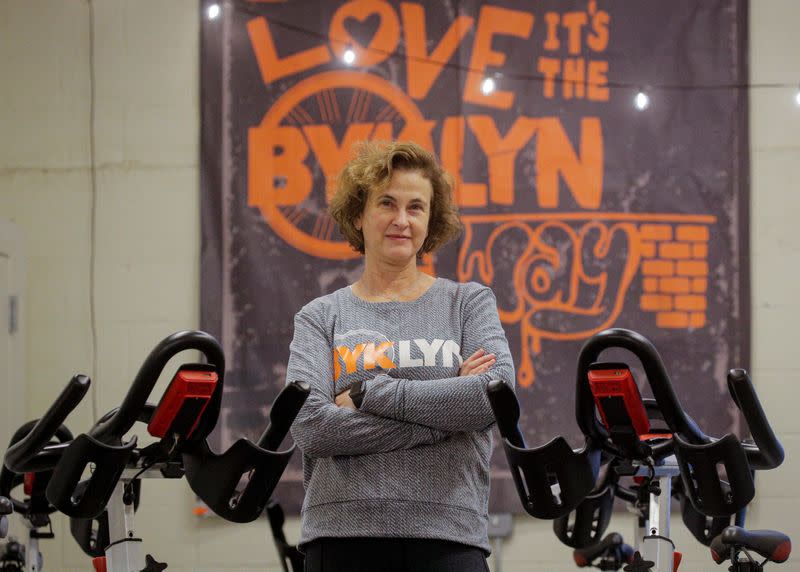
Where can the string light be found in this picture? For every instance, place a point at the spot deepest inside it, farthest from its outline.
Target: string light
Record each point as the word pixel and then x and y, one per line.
pixel 349 56
pixel 488 86
pixel 213 11
pixel 642 100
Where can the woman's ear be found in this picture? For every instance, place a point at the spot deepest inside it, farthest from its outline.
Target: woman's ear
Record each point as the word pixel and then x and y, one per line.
pixel 357 223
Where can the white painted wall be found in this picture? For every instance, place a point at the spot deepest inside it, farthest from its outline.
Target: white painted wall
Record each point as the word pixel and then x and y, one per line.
pixel 147 133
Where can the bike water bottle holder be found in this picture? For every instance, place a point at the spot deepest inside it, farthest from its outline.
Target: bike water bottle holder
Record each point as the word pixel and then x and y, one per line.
pixel 589 520
pixel 215 478
pixel 538 471
pixel 109 461
pixel 699 464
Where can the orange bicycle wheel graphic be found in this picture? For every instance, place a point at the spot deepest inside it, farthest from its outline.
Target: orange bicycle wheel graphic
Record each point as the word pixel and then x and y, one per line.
pixel 304 138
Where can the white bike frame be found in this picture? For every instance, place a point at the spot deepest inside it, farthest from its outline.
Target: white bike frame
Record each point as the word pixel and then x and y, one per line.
pixel 652 540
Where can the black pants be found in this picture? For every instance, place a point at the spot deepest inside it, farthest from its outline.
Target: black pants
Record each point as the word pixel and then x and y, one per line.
pixel 392 555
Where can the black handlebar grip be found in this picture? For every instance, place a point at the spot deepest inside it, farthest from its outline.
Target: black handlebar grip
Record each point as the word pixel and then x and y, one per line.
pixel 111 430
pixel 284 409
pixel 506 411
pixel 32 453
pixel 767 453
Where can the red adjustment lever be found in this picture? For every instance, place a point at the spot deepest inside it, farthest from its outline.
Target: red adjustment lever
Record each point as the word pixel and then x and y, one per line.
pixel 27 485
pixel 676 560
pixel 99 564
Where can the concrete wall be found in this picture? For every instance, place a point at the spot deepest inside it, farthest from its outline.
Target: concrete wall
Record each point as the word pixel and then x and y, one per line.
pixel 146 130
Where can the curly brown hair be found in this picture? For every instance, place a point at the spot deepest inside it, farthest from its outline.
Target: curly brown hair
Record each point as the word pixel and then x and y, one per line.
pixel 371 170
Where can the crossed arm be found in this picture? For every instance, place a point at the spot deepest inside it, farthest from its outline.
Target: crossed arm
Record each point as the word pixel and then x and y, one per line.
pixel 323 429
pixel 398 413
pixel 455 404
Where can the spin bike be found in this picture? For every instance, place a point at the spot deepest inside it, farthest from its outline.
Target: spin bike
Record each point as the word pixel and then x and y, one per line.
pixel 94 478
pixel 660 449
pixel 33 508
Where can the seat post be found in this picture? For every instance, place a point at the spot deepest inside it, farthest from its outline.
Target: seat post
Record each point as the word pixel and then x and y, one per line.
pixel 656 544
pixel 124 551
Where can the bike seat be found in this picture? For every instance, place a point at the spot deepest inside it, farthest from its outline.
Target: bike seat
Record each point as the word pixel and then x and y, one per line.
pixel 584 556
pixel 772 545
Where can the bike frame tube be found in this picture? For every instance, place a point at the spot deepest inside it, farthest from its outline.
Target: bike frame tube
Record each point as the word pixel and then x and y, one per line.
pixel 653 542
pixel 33 556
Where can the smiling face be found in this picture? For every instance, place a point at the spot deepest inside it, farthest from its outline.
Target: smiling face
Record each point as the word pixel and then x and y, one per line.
pixel 395 220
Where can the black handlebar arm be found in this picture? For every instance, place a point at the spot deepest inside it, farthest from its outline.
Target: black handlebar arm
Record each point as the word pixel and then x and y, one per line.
pixel 767 452
pixel 282 414
pixel 33 453
pixel 657 376
pixel 536 470
pixel 111 430
pixel 216 479
pixel 506 411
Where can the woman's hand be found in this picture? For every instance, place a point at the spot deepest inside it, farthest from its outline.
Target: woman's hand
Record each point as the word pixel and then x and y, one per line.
pixel 343 400
pixel 477 363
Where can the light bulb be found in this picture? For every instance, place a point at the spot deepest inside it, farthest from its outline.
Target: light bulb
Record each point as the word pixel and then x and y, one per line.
pixel 349 56
pixel 213 11
pixel 487 86
pixel 641 101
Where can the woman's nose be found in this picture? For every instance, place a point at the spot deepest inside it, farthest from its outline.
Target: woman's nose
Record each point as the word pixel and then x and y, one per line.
pixel 400 219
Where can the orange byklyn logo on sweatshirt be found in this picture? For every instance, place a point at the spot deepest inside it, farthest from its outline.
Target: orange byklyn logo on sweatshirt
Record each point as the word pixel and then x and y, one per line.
pixel 371 355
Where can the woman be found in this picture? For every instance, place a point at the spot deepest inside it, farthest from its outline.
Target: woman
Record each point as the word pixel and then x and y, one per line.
pixel 396 434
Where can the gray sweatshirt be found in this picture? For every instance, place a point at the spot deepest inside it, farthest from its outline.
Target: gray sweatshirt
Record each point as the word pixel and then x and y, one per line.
pixel 413 461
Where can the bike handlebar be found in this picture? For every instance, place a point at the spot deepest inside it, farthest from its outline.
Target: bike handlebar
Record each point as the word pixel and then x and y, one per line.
pixel 32 453
pixel 765 453
pixel 657 376
pixel 112 429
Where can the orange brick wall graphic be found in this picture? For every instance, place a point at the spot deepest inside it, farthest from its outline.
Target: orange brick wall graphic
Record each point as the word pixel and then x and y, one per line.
pixel 675 274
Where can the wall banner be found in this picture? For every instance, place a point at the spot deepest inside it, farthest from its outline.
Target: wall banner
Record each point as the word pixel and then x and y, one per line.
pixel 581 211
